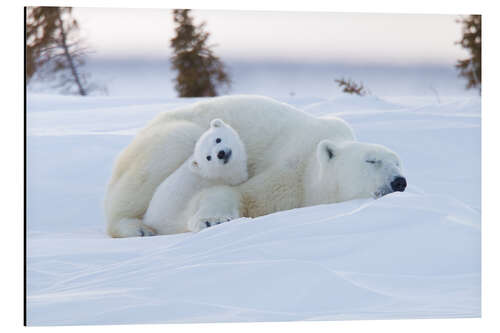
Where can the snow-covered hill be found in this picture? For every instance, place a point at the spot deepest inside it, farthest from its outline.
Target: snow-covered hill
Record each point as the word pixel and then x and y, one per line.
pixel 407 255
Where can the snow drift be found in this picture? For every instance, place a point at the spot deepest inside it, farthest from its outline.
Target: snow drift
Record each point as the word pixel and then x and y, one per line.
pixel 407 255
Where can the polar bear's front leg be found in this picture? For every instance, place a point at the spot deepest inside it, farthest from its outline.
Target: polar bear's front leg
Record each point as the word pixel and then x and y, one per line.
pixel 214 205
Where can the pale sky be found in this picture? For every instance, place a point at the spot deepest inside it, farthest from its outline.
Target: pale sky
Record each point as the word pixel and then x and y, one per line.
pixel 286 36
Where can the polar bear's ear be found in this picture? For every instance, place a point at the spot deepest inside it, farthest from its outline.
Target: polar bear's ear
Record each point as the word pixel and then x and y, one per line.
pixel 194 166
pixel 325 151
pixel 217 123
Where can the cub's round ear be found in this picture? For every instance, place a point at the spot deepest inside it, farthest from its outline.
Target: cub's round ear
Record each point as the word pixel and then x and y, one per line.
pixel 217 123
pixel 194 165
pixel 326 151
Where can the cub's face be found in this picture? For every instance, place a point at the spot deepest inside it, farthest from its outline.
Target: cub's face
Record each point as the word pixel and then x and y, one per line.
pixel 220 154
pixel 360 170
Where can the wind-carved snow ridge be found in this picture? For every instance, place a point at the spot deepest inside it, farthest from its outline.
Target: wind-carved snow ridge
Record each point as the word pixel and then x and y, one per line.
pixel 407 255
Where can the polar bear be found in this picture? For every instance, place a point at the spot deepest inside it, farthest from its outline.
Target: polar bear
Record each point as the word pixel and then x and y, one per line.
pixel 336 172
pixel 281 141
pixel 219 158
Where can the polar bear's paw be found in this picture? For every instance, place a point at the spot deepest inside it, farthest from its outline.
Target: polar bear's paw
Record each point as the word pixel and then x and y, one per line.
pixel 132 228
pixel 203 223
pixel 216 220
pixel 146 231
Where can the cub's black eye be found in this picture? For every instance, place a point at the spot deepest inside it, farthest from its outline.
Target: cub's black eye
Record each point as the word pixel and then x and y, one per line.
pixel 218 140
pixel 209 157
pixel 371 161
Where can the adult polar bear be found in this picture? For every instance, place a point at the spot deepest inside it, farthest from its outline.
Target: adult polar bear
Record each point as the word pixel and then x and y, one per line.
pixel 281 142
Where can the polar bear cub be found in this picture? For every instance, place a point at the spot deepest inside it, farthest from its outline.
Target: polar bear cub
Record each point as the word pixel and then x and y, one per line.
pixel 178 204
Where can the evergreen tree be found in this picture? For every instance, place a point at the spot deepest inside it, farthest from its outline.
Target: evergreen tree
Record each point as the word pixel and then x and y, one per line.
pixel 470 68
pixel 54 49
pixel 199 71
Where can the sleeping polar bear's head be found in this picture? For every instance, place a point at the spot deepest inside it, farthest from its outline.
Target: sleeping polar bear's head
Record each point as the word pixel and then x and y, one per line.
pixel 350 170
pixel 219 154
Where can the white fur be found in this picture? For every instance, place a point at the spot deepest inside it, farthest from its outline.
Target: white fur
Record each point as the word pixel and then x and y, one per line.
pixel 220 138
pixel 280 142
pixel 219 158
pixel 348 170
pixel 213 205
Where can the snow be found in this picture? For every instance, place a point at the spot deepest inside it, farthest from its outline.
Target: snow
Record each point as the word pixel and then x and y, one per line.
pixel 413 83
pixel 407 255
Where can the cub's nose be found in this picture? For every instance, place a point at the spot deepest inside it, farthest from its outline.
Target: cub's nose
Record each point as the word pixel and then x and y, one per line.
pixel 221 154
pixel 398 184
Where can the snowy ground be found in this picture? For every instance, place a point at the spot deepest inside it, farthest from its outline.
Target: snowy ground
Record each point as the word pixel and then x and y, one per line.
pixel 408 255
pixel 154 77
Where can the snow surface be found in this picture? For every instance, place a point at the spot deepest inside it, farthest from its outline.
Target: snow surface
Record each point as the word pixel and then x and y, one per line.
pixel 154 77
pixel 407 255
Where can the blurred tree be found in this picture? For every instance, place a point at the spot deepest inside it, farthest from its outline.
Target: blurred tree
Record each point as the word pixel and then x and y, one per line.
pixel 470 68
pixel 54 49
pixel 199 71
pixel 40 25
pixel 350 87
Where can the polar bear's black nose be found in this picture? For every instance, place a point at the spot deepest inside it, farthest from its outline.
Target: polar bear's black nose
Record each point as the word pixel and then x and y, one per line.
pixel 398 184
pixel 221 154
